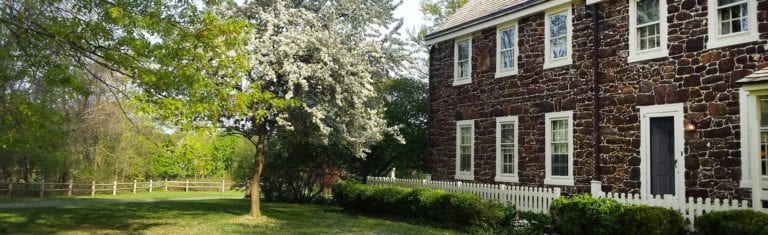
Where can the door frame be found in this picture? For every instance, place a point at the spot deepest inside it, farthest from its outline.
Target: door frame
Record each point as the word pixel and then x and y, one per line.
pixel 675 111
pixel 751 176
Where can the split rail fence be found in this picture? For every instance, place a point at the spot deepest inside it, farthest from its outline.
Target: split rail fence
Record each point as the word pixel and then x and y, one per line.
pixel 42 189
pixel 536 199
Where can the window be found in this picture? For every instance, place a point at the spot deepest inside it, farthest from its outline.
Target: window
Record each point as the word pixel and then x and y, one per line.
pixel 506 149
pixel 463 61
pixel 559 148
pixel 732 22
pixel 648 30
pixel 506 47
pixel 557 48
pixel 465 156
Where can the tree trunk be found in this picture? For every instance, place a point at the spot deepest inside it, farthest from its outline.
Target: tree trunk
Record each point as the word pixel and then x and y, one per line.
pixel 257 167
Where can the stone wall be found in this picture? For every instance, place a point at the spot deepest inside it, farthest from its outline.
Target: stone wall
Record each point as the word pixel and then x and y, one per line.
pixel 702 79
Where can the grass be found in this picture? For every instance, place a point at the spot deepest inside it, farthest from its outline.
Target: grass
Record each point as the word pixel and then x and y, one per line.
pixel 125 196
pixel 197 216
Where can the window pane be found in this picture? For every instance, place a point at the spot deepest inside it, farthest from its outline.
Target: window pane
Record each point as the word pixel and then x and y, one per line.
pixel 557 25
pixel 744 21
pixel 507 133
pixel 725 28
pixel 465 164
pixel 647 11
pixel 560 164
pixel 726 2
pixel 507 38
pixel 463 69
pixel 508 59
pixel 558 47
pixel 466 135
pixel 463 50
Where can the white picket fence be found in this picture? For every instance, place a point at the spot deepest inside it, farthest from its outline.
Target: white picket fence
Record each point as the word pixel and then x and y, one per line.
pixel 690 207
pixel 533 199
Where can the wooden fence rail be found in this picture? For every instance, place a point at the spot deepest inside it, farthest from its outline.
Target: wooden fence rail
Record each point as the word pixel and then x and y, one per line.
pixel 42 189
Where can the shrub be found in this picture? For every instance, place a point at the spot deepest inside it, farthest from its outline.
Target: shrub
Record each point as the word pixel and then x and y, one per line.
pixel 732 222
pixel 455 210
pixel 648 220
pixel 583 214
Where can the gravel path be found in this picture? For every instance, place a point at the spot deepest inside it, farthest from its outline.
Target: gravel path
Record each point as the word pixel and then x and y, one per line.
pixel 88 202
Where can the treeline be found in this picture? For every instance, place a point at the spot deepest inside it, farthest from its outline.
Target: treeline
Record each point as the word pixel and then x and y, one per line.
pixel 55 133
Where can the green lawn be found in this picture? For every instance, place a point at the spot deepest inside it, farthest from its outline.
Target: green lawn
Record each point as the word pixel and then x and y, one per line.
pixel 196 215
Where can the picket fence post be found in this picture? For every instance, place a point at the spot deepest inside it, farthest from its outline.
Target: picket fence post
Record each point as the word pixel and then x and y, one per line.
pixel 42 188
pixel 134 186
pixel 186 187
pixel 93 188
pixel 150 186
pixel 10 189
pixel 223 185
pixel 114 187
pixel 166 184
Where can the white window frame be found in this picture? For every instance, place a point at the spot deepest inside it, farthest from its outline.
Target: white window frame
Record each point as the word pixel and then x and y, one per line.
pixel 456 79
pixel 549 178
pixel 716 40
pixel 568 59
pixel 676 111
pixel 635 54
pixel 463 175
pixel 504 72
pixel 502 177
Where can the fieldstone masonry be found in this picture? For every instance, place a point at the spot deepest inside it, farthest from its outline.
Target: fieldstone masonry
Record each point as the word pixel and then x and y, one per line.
pixel 702 79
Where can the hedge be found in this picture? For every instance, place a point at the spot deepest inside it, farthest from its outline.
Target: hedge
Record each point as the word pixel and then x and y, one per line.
pixel 583 214
pixel 455 210
pixel 732 222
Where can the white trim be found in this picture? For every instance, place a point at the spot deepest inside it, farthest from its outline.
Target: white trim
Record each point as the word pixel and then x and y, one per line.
pixel 549 178
pixel 510 71
pixel 716 40
pixel 568 59
pixel 666 110
pixel 459 174
pixel 751 166
pixel 634 53
pixel 506 18
pixel 462 80
pixel 590 2
pixel 501 177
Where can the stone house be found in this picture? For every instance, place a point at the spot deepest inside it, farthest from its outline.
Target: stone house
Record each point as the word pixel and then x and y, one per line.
pixel 653 97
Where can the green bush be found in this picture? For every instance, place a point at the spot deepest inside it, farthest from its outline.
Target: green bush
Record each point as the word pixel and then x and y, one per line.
pixel 732 222
pixel 455 210
pixel 583 214
pixel 649 220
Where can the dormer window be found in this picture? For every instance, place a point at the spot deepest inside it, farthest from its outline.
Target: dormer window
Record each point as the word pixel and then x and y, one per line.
pixel 731 22
pixel 462 72
pixel 647 30
pixel 558 35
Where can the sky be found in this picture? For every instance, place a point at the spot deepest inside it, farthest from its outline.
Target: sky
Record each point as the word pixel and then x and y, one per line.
pixel 411 15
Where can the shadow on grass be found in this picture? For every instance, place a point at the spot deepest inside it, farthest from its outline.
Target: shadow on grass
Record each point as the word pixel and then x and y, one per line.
pixel 226 216
pixel 133 217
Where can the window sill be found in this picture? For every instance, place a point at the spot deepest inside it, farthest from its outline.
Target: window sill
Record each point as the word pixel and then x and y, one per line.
pixel 463 81
pixel 733 39
pixel 647 55
pixel 558 62
pixel 559 181
pixel 505 73
pixel 508 179
pixel 465 177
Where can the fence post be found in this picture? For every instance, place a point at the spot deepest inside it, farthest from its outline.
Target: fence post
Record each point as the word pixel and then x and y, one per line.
pixel 114 187
pixel 69 192
pixel 93 188
pixel 134 186
pixel 186 187
pixel 10 189
pixel 223 184
pixel 166 184
pixel 150 186
pixel 42 188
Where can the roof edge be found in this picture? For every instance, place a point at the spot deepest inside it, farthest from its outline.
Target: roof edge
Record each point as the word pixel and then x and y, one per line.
pixel 473 22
